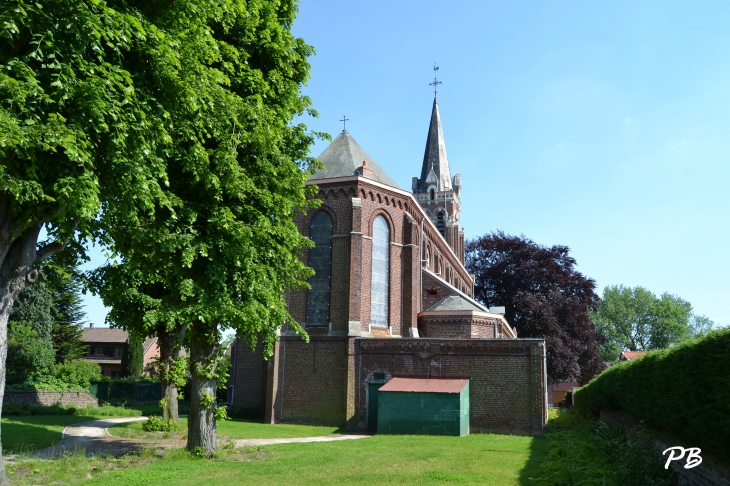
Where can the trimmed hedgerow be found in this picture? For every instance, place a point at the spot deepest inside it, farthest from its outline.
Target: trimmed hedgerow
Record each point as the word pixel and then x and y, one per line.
pixel 684 390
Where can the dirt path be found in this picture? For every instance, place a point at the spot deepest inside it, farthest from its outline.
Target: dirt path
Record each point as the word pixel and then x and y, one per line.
pixel 94 437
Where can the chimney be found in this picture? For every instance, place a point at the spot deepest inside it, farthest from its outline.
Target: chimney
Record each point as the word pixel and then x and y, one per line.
pixel 365 170
pixel 91 324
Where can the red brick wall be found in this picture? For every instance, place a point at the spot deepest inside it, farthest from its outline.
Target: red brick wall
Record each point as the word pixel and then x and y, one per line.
pixel 247 376
pixel 507 388
pixel 352 252
pixel 312 379
pixel 47 398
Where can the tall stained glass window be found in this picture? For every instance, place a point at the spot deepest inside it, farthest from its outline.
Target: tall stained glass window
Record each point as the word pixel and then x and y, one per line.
pixel 381 266
pixel 320 259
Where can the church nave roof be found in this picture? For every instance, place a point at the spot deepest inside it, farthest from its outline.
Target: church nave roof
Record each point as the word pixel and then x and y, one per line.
pixel 344 156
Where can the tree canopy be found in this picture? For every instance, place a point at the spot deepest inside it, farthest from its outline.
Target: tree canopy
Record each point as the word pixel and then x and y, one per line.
pixel 221 252
pixel 545 297
pixel 635 319
pixel 79 129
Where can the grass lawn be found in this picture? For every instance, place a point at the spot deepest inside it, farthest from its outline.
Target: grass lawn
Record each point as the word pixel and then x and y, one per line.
pixel 234 429
pixel 28 433
pixel 475 459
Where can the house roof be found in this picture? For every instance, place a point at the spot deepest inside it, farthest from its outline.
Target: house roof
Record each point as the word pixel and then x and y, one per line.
pixel 425 385
pixel 344 156
pixel 104 335
pixel 148 343
pixel 631 355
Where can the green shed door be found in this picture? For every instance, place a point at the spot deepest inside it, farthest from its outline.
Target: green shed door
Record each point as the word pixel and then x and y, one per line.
pixel 373 405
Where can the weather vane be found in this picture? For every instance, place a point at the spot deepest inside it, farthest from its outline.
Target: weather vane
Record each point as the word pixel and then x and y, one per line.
pixel 344 122
pixel 436 82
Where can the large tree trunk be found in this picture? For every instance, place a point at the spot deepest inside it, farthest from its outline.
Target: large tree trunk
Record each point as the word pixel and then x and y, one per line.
pixel 170 342
pixel 17 257
pixel 203 365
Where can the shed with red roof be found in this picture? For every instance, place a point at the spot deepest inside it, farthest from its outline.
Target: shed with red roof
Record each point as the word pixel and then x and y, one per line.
pixel 431 406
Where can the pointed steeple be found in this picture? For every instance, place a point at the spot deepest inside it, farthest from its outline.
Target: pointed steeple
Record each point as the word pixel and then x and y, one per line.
pixel 435 161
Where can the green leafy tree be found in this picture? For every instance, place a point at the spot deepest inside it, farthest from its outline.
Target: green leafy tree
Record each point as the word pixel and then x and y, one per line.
pixel 133 357
pixel 78 129
pixel 700 326
pixel 29 335
pixel 29 357
pixel 222 253
pixel 634 319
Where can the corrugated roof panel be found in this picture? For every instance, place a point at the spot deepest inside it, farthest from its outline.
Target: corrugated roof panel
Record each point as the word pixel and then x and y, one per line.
pixel 425 385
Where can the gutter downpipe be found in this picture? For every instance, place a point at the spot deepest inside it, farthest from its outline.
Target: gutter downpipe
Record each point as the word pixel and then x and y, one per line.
pixel 544 370
pixel 421 248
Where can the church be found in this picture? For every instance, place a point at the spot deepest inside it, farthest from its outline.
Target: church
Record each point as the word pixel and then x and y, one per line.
pixel 390 297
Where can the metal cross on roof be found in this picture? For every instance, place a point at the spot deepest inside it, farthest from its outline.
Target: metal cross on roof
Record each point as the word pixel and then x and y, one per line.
pixel 436 82
pixel 344 122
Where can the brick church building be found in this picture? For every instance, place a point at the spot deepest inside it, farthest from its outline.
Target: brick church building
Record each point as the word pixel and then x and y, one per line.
pixel 390 297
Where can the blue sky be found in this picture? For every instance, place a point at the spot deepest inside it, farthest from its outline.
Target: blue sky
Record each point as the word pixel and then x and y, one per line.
pixel 601 126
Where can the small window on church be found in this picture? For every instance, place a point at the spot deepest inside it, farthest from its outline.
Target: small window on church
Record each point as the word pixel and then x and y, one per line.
pixel 432 294
pixel 440 224
pixel 433 194
pixel 380 274
pixel 320 259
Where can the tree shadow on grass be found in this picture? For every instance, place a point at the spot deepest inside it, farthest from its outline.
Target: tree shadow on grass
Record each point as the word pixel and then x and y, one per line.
pixel 23 434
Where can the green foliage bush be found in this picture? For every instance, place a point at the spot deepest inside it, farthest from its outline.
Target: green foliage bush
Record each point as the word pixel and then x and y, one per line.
pixel 684 390
pixel 588 452
pixel 48 384
pixel 29 356
pixel 79 372
pixel 156 424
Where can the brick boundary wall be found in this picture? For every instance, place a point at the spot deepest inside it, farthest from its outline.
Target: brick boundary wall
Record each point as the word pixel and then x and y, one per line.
pixel 709 473
pixel 48 398
pixel 507 387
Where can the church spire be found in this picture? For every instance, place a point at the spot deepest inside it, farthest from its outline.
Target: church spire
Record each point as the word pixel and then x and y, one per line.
pixel 435 168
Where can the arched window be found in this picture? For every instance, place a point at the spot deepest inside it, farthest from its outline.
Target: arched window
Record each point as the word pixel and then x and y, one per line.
pixel 320 259
pixel 432 193
pixel 381 267
pixel 440 224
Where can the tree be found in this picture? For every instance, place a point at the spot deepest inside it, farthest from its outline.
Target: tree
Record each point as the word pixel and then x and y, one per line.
pixel 222 253
pixel 30 354
pixel 133 357
pixel 29 357
pixel 68 314
pixel 545 297
pixel 700 326
pixel 77 131
pixel 35 306
pixel 634 319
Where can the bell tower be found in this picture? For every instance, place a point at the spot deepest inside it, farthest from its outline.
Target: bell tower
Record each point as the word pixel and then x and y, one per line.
pixel 436 191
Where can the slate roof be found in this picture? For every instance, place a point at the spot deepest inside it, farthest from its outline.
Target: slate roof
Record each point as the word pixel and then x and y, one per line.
pixel 104 335
pixel 344 156
pixel 425 385
pixel 435 160
pixel 454 303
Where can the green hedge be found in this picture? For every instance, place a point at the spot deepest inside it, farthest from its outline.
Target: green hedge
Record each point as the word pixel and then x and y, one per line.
pixel 684 390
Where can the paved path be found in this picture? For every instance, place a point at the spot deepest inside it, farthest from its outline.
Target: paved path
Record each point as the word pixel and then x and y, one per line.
pixel 324 438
